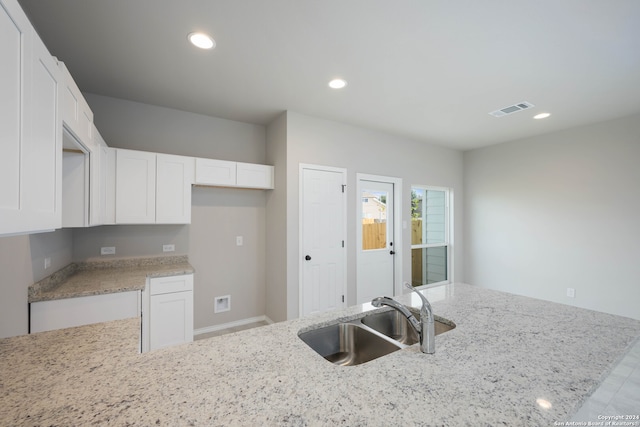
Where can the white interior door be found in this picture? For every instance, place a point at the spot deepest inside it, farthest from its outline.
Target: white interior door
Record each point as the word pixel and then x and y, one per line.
pixel 376 245
pixel 323 251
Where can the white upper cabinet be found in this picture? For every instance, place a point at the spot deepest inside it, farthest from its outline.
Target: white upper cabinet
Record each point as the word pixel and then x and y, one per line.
pixel 76 114
pixel 152 188
pixel 249 175
pixel 135 187
pixel 30 132
pixel 174 176
pixel 215 172
pixel 224 173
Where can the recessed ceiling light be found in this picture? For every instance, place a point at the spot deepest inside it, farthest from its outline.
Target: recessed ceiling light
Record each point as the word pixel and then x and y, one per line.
pixel 541 116
pixel 202 40
pixel 337 84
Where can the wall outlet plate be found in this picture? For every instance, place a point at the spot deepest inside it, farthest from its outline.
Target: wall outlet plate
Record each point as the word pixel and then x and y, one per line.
pixel 108 250
pixel 47 263
pixel 239 240
pixel 222 304
pixel 168 248
pixel 571 293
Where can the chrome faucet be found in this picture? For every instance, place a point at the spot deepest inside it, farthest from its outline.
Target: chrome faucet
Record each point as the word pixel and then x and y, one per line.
pixel 425 327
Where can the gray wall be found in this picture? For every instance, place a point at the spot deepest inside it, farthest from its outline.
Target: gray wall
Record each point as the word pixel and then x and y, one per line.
pixel 21 265
pixel 276 256
pixel 558 211
pixel 218 215
pixel 322 142
pixel 126 124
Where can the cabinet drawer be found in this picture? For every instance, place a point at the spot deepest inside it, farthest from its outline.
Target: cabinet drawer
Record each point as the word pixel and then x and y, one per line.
pixel 166 285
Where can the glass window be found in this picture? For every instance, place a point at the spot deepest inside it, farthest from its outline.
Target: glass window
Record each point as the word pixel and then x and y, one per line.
pixel 429 235
pixel 374 220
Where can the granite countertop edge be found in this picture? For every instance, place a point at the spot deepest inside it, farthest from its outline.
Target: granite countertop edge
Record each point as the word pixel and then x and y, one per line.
pixel 91 278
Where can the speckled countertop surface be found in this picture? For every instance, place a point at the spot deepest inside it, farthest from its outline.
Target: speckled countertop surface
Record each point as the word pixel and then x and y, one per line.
pixel 103 277
pixel 505 353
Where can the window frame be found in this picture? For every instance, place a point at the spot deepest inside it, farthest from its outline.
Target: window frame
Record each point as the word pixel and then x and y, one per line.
pixel 448 239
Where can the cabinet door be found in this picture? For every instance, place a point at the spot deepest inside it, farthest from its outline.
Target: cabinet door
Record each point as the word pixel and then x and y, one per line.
pixel 97 182
pixel 174 176
pixel 14 33
pixel 215 172
pixel 42 156
pixel 250 175
pixel 75 111
pixel 108 179
pixel 31 148
pixel 135 187
pixel 170 313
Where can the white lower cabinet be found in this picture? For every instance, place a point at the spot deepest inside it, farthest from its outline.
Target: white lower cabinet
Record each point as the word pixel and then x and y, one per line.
pixel 167 312
pixel 70 312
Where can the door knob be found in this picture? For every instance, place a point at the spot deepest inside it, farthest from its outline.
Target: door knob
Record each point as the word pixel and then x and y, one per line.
pixel 308 258
pixel 392 252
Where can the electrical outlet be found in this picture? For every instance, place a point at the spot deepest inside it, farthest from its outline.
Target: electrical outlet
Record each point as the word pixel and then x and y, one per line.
pixel 571 293
pixel 239 241
pixel 47 263
pixel 108 250
pixel 168 248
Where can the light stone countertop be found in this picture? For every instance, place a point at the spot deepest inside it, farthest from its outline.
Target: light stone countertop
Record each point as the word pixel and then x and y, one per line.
pixel 104 277
pixel 506 353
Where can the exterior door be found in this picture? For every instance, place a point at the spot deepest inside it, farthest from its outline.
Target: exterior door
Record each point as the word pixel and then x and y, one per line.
pixel 376 245
pixel 323 251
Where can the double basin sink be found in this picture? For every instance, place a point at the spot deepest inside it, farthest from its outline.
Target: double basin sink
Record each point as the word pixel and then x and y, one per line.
pixel 367 338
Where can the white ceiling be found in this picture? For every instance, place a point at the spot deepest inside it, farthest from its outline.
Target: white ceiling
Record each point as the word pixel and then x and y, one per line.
pixel 428 70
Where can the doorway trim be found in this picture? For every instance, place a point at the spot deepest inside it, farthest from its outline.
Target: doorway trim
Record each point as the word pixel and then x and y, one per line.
pixel 342 171
pixel 397 229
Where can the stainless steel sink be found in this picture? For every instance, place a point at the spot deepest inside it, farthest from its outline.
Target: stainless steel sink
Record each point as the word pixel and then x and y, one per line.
pixel 347 344
pixel 394 325
pixel 367 338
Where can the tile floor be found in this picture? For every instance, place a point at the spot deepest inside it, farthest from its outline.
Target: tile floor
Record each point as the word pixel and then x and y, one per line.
pixel 230 330
pixel 619 393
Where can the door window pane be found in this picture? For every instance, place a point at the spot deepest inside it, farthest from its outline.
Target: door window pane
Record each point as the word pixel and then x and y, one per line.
pixel 374 219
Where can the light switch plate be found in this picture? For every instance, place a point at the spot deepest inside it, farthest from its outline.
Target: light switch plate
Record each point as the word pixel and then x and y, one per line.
pixel 239 241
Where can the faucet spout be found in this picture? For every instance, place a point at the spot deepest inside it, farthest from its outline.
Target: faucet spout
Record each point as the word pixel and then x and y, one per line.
pixel 425 327
pixel 380 301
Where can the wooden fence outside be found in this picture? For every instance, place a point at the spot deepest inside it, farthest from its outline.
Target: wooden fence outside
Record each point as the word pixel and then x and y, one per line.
pixel 374 234
pixel 416 254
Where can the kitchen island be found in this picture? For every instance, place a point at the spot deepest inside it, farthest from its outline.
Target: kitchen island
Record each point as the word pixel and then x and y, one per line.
pixel 510 360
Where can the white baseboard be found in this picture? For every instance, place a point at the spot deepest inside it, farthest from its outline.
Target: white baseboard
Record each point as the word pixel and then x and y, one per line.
pixel 242 322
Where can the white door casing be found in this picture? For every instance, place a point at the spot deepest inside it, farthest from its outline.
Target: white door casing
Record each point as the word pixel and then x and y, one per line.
pixel 322 238
pixel 378 267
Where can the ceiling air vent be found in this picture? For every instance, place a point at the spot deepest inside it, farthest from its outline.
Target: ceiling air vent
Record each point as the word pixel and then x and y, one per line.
pixel 511 109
